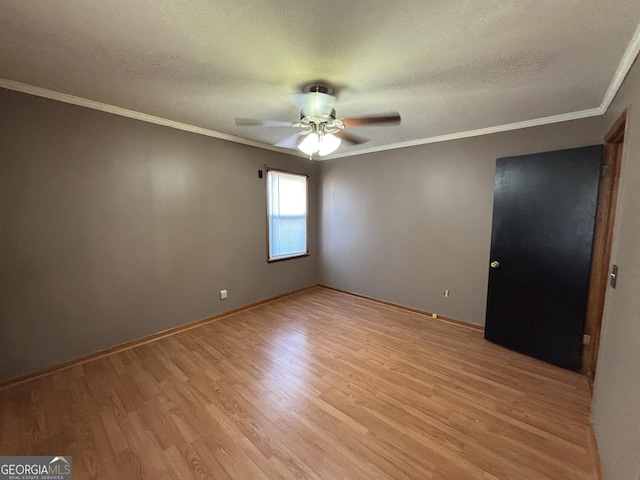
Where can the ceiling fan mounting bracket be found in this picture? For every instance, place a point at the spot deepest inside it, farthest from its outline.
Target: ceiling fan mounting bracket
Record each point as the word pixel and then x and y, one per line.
pixel 318 88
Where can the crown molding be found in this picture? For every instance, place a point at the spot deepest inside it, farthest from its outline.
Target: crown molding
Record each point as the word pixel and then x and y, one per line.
pixel 536 122
pixel 123 112
pixel 629 56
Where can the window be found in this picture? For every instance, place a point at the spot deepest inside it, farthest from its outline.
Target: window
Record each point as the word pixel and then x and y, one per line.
pixel 287 214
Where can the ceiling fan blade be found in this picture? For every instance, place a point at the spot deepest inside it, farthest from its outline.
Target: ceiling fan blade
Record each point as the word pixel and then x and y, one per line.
pixel 392 118
pixel 291 141
pixel 253 122
pixel 351 138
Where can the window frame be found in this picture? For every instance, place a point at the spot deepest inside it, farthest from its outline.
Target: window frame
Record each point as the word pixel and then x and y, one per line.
pixel 296 255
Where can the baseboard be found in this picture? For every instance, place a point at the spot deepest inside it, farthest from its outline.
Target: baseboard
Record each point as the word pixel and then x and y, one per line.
pixel 141 341
pixel 593 443
pixel 442 318
pixel 172 331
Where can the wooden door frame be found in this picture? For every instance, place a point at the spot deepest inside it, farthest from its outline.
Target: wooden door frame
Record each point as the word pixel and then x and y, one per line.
pixel 603 236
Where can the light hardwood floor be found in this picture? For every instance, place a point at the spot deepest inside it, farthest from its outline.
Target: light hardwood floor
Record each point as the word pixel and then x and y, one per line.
pixel 317 385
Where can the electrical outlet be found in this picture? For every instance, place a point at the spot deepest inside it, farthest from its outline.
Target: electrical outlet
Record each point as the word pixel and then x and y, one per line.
pixel 223 294
pixel 446 293
pixel 434 315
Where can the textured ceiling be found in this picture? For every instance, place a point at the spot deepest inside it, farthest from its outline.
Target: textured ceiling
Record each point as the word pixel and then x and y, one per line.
pixel 451 68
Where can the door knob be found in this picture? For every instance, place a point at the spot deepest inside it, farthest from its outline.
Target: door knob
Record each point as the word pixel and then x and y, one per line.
pixel 495 264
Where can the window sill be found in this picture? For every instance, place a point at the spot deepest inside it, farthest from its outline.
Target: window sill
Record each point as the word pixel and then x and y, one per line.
pixel 280 259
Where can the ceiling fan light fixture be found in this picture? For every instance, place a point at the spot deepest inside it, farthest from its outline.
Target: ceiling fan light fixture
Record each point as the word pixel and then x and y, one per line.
pixel 310 144
pixel 328 144
pixel 320 143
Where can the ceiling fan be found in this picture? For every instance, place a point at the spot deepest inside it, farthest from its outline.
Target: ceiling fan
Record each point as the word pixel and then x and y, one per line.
pixel 322 132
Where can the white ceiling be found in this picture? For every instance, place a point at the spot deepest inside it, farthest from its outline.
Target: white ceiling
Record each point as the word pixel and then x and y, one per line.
pixel 451 68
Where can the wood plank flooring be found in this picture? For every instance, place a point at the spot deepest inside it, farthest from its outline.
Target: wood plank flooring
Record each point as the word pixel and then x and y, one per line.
pixel 318 385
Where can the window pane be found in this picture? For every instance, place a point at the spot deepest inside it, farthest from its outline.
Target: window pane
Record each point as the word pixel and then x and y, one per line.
pixel 287 210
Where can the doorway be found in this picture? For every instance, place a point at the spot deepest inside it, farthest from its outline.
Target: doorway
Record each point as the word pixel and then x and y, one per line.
pixel 602 244
pixel 600 268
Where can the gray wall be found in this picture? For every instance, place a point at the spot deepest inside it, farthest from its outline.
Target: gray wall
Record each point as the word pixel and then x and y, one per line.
pixel 616 403
pixel 404 225
pixel 113 229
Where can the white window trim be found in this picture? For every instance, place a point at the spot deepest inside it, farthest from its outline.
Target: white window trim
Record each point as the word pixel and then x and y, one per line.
pixel 297 254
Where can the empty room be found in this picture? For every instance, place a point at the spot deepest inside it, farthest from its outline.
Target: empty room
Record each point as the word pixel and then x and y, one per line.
pixel 334 240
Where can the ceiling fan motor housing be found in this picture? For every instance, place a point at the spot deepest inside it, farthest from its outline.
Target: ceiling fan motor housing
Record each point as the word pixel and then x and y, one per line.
pixel 317 103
